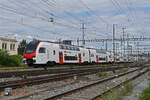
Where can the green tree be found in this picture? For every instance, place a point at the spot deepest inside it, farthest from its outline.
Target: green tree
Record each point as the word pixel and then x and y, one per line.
pixel 22 46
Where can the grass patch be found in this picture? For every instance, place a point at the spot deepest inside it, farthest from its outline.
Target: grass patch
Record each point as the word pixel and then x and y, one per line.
pixel 101 74
pixel 123 70
pixel 13 68
pixel 119 93
pixel 127 90
pixel 145 95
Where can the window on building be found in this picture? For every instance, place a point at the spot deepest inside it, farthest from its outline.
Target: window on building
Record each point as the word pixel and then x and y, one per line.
pixel 13 46
pixel 10 46
pixel 42 50
pixel 4 46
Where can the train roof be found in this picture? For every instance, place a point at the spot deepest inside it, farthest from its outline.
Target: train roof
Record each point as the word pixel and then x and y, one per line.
pixel 98 50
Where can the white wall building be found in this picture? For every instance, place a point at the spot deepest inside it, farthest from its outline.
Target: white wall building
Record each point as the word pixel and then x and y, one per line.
pixel 10 45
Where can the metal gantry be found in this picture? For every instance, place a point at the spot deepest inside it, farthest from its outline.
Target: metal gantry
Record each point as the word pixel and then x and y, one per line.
pixel 129 48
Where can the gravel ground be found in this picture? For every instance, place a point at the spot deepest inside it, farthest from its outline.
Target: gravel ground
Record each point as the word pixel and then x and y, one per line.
pixel 92 92
pixel 20 78
pixel 139 85
pixel 54 88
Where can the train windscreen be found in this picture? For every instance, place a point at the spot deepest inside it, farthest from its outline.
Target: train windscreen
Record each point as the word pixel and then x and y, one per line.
pixel 31 47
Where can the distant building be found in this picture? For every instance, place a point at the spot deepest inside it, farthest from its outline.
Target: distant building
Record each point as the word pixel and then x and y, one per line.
pixel 10 45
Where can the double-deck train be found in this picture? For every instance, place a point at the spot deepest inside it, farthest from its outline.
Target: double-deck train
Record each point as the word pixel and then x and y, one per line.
pixel 50 53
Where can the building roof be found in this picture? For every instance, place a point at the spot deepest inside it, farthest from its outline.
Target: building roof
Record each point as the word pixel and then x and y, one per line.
pixel 8 39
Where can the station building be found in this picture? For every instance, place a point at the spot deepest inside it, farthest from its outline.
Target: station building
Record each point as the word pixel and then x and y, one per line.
pixel 10 45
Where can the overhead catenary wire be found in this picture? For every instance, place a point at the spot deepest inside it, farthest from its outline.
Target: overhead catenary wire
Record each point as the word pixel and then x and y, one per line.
pixel 48 5
pixel 133 12
pixel 46 2
pixel 7 8
pixel 30 26
pixel 91 11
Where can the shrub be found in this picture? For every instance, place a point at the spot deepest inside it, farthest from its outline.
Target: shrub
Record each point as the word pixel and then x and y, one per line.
pixel 10 60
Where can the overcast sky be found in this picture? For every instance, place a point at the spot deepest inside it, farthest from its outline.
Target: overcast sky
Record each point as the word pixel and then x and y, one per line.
pixel 27 19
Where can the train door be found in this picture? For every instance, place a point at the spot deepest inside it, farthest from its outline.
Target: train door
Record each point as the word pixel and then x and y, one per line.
pixel 60 58
pixel 106 59
pixel 80 61
pixel 89 56
pixel 96 58
pixel 42 55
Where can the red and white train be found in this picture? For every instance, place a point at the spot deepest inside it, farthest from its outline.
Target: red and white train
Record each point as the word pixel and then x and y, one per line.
pixel 43 52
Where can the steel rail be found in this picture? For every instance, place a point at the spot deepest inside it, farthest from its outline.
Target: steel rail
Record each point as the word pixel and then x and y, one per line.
pixel 90 85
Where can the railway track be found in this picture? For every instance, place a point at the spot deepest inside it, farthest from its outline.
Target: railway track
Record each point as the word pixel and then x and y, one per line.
pixel 49 71
pixel 119 85
pixel 65 94
pixel 56 77
pixel 81 88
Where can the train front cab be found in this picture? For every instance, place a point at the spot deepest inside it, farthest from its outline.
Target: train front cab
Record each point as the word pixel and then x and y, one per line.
pixel 30 52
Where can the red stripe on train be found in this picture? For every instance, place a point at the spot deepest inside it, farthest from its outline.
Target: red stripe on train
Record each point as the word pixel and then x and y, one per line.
pixel 97 59
pixel 80 60
pixel 61 58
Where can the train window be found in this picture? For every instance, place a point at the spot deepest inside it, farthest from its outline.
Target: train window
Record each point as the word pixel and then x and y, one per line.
pixel 61 47
pixel 54 52
pixel 101 58
pixel 70 57
pixel 67 47
pixel 77 49
pixel 92 55
pixel 42 50
pixel 31 47
pixel 72 48
pixel 64 47
pixel 83 54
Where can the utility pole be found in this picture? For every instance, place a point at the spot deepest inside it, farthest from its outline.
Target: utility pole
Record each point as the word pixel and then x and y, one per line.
pixel 121 46
pixel 123 29
pixel 83 33
pixel 128 46
pixel 138 51
pixel 77 41
pixel 114 42
pixel 106 45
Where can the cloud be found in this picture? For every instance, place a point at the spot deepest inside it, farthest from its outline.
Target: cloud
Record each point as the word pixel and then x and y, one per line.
pixel 31 18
